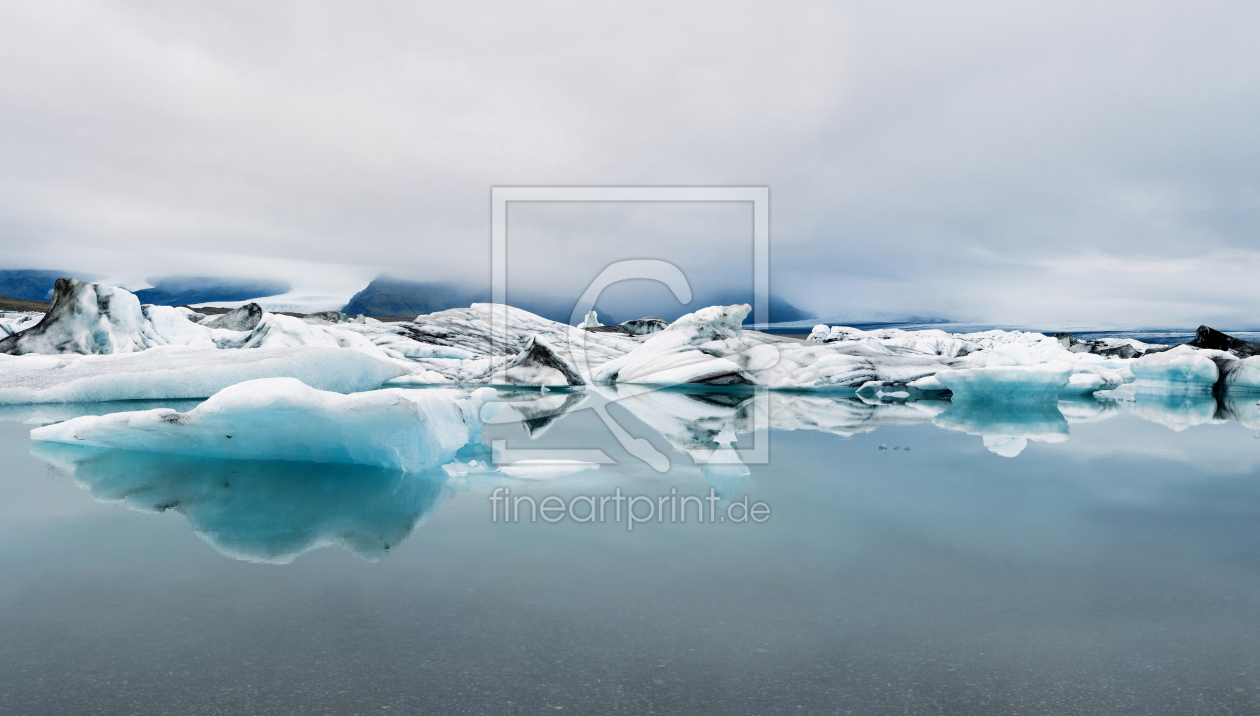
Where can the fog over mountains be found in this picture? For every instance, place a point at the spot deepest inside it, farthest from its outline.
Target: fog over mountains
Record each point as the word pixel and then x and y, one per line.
pixel 388 296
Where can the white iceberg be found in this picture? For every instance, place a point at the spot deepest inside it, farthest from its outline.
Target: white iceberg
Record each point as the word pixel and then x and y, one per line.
pixel 284 419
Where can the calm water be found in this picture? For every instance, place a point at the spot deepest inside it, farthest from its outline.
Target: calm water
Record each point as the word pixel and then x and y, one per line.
pixel 1085 558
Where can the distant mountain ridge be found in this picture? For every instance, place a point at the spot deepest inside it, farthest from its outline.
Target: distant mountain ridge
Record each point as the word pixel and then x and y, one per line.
pixel 33 284
pixel 188 290
pixel 388 296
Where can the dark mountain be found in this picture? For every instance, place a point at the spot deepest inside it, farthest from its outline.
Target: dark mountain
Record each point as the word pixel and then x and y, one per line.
pixel 669 309
pixel 388 296
pixel 32 284
pixel 187 290
pixel 780 310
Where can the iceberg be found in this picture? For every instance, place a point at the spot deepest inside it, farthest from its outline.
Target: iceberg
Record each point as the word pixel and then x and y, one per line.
pixel 1241 375
pixel 85 318
pixel 285 419
pixel 1022 383
pixel 1181 367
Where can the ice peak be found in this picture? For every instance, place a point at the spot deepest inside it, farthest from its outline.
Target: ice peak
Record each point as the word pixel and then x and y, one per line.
pixel 715 321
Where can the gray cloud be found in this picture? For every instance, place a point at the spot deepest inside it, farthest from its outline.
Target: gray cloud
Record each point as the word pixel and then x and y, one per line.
pixel 1064 162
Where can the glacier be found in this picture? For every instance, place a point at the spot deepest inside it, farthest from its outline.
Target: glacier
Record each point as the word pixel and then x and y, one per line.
pixel 285 419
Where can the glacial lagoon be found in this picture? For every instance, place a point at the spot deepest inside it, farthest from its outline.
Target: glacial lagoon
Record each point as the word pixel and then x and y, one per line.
pixel 1085 557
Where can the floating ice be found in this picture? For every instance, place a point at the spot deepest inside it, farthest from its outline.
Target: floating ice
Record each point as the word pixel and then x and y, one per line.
pixel 284 419
pixel 543 469
pixel 1181 367
pixel 1007 383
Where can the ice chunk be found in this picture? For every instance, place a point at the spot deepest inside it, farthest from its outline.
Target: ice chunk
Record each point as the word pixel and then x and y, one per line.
pixel 1241 375
pixel 1087 380
pixel 84 318
pixel 1016 383
pixel 284 419
pixel 245 318
pixel 1181 367
pixel 538 363
pixel 545 469
pixel 178 372
pixel 592 320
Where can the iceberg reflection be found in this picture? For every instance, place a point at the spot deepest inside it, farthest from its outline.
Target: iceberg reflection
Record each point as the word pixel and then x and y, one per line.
pixel 273 511
pixel 1007 428
pixel 260 510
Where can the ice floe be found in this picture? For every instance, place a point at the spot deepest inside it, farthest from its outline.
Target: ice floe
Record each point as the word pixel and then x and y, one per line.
pixel 284 419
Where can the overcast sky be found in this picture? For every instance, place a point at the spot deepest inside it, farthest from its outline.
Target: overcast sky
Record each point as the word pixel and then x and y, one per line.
pixel 1069 162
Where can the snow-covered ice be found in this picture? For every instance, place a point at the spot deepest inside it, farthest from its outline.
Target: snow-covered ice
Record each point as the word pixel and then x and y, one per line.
pixel 284 419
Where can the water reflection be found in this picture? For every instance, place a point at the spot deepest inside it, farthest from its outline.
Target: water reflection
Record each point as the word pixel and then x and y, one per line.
pixel 273 511
pixel 1007 428
pixel 256 510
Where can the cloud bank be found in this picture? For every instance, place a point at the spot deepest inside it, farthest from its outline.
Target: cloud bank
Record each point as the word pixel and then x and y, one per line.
pixel 1063 163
